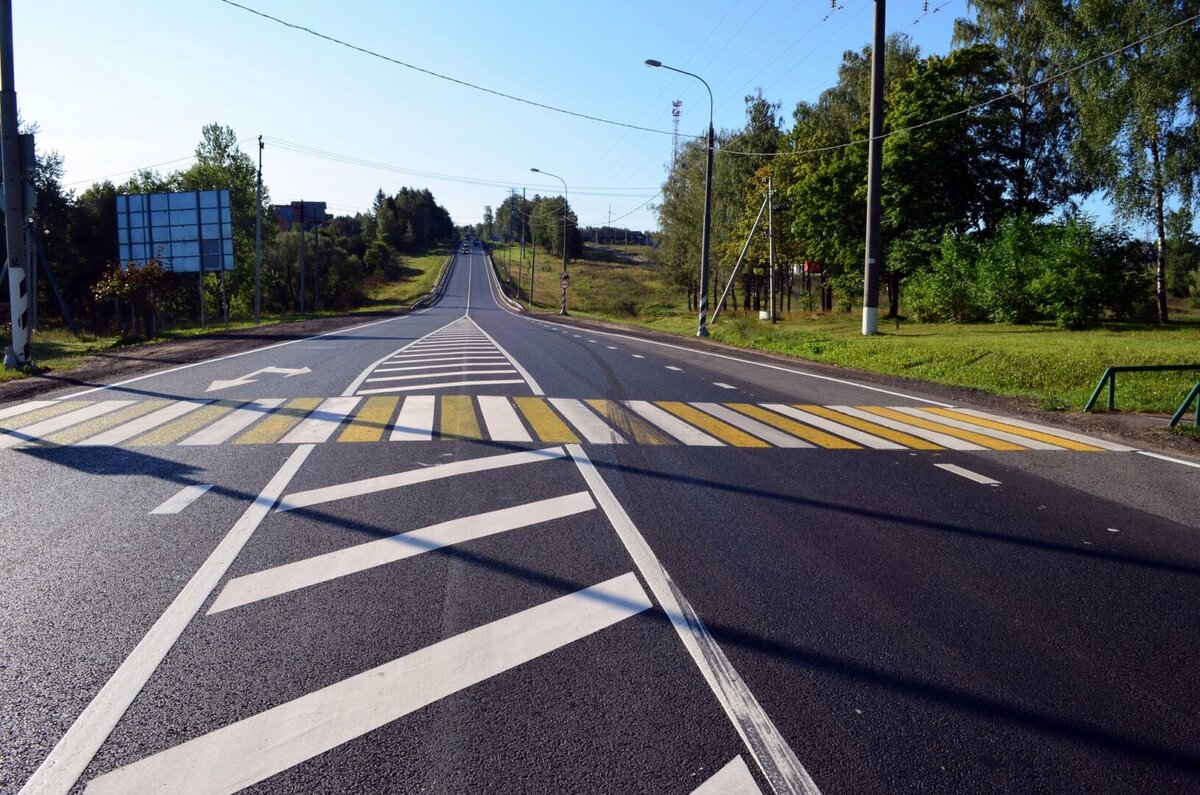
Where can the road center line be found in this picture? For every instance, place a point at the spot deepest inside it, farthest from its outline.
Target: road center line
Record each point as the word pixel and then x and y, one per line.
pixel 344 562
pixel 968 474
pixel 255 748
pixel 304 499
pixel 70 757
pixel 768 747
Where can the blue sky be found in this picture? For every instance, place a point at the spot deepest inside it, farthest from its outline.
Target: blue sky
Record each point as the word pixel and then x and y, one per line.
pixel 118 86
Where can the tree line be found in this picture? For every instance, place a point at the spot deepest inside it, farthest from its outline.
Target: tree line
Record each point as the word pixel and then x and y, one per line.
pixel 990 150
pixel 77 232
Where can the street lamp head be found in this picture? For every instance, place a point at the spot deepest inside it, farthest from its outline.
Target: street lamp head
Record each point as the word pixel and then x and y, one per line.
pixel 652 62
pixel 536 169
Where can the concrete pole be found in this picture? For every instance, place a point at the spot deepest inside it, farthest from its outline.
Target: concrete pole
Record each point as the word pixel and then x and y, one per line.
pixel 771 244
pixel 258 238
pixel 874 256
pixel 19 353
pixel 303 289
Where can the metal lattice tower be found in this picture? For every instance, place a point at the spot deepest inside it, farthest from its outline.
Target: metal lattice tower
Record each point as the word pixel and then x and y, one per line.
pixel 676 112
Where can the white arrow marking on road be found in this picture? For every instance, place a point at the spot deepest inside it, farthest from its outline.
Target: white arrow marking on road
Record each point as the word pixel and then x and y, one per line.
pixel 255 748
pixel 250 378
pixel 733 779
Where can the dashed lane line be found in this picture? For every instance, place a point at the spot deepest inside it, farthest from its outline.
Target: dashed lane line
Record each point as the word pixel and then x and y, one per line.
pixel 968 474
pixel 182 499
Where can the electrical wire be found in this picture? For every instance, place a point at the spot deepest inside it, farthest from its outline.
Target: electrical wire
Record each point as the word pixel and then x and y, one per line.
pixel 438 75
pixel 1015 92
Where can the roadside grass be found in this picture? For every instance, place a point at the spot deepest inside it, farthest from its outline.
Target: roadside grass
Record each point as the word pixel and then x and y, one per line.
pixel 58 349
pixel 417 277
pixel 1051 367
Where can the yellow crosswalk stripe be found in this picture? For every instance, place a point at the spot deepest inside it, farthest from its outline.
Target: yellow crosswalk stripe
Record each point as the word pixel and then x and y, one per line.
pixel 711 425
pixel 1015 430
pixel 629 425
pixel 102 423
pixel 44 413
pixel 788 425
pixel 544 422
pixel 187 424
pixel 458 420
pixel 371 420
pixel 870 427
pixel 929 425
pixel 279 422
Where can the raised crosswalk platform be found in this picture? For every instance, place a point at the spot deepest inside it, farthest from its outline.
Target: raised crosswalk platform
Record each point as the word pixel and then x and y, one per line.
pixel 532 420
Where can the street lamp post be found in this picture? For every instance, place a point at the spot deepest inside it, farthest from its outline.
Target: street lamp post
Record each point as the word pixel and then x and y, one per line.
pixel 702 330
pixel 566 204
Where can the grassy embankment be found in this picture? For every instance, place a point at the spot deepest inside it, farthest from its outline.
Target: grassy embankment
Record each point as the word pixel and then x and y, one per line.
pixel 56 350
pixel 1053 368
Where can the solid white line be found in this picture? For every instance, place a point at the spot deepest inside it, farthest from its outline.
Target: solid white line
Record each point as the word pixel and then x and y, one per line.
pixel 183 498
pixel 949 442
pixel 768 747
pixel 671 424
pixel 321 424
pixel 673 367
pixel 255 748
pixel 476 361
pixel 733 779
pixel 484 382
pixel 588 424
pixel 414 423
pixel 70 757
pixel 1168 458
pixel 724 386
pixel 752 426
pixel 231 423
pixel 419 376
pixel 501 420
pixel 123 433
pixel 533 385
pixel 303 499
pixel 24 408
pixel 853 434
pixel 1030 426
pixel 45 427
pixel 344 562
pixel 968 474
pixel 925 414
pixel 227 356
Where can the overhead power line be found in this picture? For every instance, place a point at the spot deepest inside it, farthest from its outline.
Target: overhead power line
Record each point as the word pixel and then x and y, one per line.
pixel 438 75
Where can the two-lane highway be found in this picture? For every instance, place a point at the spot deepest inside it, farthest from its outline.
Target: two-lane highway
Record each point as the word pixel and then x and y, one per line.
pixel 469 550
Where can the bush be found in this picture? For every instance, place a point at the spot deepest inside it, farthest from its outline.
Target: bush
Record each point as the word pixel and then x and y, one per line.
pixel 946 290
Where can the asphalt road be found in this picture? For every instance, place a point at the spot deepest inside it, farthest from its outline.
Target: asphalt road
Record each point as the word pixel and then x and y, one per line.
pixel 466 550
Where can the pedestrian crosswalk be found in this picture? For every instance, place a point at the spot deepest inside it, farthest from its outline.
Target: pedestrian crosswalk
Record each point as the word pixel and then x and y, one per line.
pixel 524 420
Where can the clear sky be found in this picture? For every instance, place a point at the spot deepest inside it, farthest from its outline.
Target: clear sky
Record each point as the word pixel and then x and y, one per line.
pixel 122 85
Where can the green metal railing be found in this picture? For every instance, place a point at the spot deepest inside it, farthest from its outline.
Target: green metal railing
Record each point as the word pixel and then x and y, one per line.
pixel 1110 378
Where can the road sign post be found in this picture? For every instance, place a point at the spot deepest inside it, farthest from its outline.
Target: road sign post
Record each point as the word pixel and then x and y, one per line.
pixel 563 282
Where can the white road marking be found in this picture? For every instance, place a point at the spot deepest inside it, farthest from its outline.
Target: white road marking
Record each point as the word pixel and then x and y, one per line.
pixel 638 356
pixel 357 488
pixel 483 382
pixel 123 433
pixel 949 442
pixel 503 424
pixel 255 748
pixel 321 424
pixel 70 757
pixel 533 385
pixel 968 474
pixel 611 347
pixel 448 347
pixel 733 779
pixel 1164 458
pixel 49 426
pixel 768 747
pixel 474 360
pixel 231 423
pixel 1032 444
pixel 674 426
pixel 673 367
pixel 357 382
pixel 183 498
pixel 724 386
pixel 24 408
pixel 845 431
pixel 414 423
pixel 588 424
pixel 1030 426
pixel 752 426
pixel 344 562
pixel 418 376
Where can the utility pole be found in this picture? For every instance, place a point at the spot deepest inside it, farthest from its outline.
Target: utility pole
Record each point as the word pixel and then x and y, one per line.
pixel 258 238
pixel 19 353
pixel 317 269
pixel 302 287
pixel 874 257
pixel 771 243
pixel 524 223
